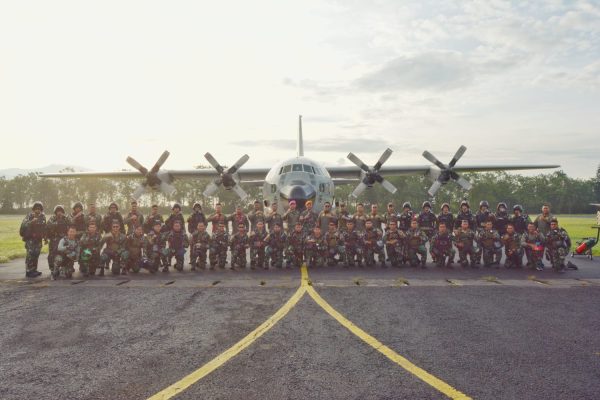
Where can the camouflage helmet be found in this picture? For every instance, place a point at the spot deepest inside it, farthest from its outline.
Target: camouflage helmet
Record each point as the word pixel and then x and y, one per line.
pixel 465 203
pixel 176 205
pixel 554 220
pixel 196 204
pixel 78 205
pixel 58 207
pixel 518 207
pixel 407 205
pixel 484 203
pixel 38 204
pixel 445 205
pixel 501 204
pixel 113 204
pixel 426 204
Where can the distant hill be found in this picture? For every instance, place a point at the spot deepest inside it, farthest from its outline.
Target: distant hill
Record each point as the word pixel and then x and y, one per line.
pixel 10 173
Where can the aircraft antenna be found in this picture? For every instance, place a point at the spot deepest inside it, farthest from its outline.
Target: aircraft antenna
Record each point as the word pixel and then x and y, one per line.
pixel 300 144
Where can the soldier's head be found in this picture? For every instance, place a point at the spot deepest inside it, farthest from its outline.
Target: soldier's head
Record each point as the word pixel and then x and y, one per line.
pixel 197 207
pixel 309 205
pixel 176 209
pixel 92 208
pixel 221 227
pixel 553 224
pixel 157 226
pixel 92 228
pixel 59 211
pixel 350 225
pixel 501 207
pixel 342 206
pixel 360 208
pixel 177 226
pixel 331 226
pixel 298 227
pixel 154 209
pixel 390 207
pixel 488 224
pixel 71 233
pixel 317 230
pixel 369 224
pixel 546 209
pixel 442 228
pixel 393 226
pixel 201 226
pixel 241 228
pixel 374 208
pixel 292 204
pixel 112 208
pixel 115 228
pixel 257 205
pixel 531 227
pixel 484 205
pixel 464 224
pixel 260 226
pixel 134 205
pixel 464 206
pixel 426 206
pixel 445 208
pixel 413 223
pixel 510 229
pixel 218 208
pixel 77 207
pixel 238 210
pixel 274 206
pixel 277 228
pixel 134 219
pixel 327 206
pixel 517 210
pixel 406 206
pixel 139 230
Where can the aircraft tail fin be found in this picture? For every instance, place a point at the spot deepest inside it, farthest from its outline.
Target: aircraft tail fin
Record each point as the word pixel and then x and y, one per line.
pixel 300 143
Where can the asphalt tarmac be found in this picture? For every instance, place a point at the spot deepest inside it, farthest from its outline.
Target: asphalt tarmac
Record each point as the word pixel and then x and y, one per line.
pixel 488 333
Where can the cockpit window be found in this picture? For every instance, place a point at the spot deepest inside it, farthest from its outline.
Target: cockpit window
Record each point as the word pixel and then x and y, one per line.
pixel 287 168
pixel 297 167
pixel 308 168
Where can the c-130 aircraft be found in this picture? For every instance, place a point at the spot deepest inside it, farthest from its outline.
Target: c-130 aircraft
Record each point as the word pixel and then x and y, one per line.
pixel 298 178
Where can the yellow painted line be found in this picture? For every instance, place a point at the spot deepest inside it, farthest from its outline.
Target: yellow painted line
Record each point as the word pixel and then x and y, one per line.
pixel 221 359
pixel 420 373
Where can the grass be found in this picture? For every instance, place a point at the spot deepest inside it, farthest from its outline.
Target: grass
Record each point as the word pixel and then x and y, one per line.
pixel 578 227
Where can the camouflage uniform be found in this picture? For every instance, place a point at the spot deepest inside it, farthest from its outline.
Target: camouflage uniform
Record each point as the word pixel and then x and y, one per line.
pixel 108 220
pixel 257 248
pixel 427 221
pixel 238 244
pixel 33 233
pixel 177 243
pixel 135 248
pixel 501 219
pixel 491 246
pixel 520 222
pixel 115 251
pixel 482 217
pixel 290 218
pixel 359 222
pixel 215 219
pixel 315 250
pixel 415 240
pixel 542 223
pixel 372 245
pixel 193 221
pixel 155 243
pixel 56 229
pixel 309 221
pixel 199 247
pixel 276 243
pixel 295 249
pixel 464 243
pixel 325 217
pixel 150 220
pixel 404 220
pixel 557 245
pixel 89 252
pixel 95 218
pixel 353 243
pixel 78 221
pixel 394 245
pixel 128 221
pixel 389 218
pixel 377 220
pixel 335 247
pixel 68 253
pixel 441 249
pixel 512 250
pixel 447 219
pixel 237 219
pixel 218 249
pixel 343 217
pixel 274 218
pixel 468 216
pixel 254 217
pixel 168 226
pixel 534 256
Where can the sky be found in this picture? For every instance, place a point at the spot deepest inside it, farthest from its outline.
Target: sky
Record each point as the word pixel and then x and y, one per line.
pixel 88 83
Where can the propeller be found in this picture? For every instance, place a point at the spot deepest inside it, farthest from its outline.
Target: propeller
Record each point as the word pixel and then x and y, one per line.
pixel 371 175
pixel 155 178
pixel 227 177
pixel 447 171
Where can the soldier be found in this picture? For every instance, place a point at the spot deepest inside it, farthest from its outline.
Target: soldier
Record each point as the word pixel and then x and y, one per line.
pixel 315 248
pixel 199 246
pixel 239 244
pixel 238 217
pixel 258 243
pixel 308 218
pixel 218 246
pixel 218 218
pixel 427 220
pixel 115 250
pixel 291 216
pixel 56 229
pixel 177 241
pixel 335 244
pixel 343 216
pixel 377 219
pixel 89 250
pixel 394 244
pixel 274 218
pixel 93 217
pixel 133 218
pixel 415 240
pixel 67 254
pixel 501 218
pixel 465 214
pixel 295 246
pixel 405 217
pixel 136 243
pixel 483 215
pixel 490 244
pixel 33 232
pixel 353 244
pixel 326 216
pixel 155 243
pixel 557 245
pixel 542 221
pixel 441 248
pixel 512 248
pixel 372 244
pixel 519 220
pixel 196 217
pixel 359 218
pixel 446 217
pixel 152 219
pixel 77 219
pixel 256 215
pixel 533 243
pixel 176 215
pixel 276 242
pixel 464 237
pixel 107 221
pixel 390 216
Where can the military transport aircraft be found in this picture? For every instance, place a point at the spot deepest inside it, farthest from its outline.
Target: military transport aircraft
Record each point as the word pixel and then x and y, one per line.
pixel 298 178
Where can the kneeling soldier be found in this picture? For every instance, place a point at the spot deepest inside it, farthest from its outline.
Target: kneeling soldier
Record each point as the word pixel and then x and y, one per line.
pixel 200 245
pixel 416 240
pixel 89 250
pixel 441 247
pixel 276 242
pixel 353 244
pixel 491 246
pixel 372 244
pixel 257 246
pixel 155 243
pixel 136 242
pixel 56 229
pixel 464 238
pixel 295 246
pixel 335 245
pixel 115 249
pixel 512 247
pixel 394 244
pixel 533 243
pixel 239 244
pixel 218 246
pixel 315 248
pixel 558 244
pixel 67 254
pixel 177 241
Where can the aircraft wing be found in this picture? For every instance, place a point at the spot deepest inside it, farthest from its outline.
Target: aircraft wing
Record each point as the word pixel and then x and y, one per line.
pixel 248 174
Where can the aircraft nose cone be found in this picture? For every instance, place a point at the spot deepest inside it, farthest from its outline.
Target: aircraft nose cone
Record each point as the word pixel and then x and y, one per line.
pixel 298 192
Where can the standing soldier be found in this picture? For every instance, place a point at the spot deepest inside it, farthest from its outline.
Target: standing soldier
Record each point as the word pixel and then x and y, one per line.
pixel 176 216
pixel 501 218
pixel 291 216
pixel 67 254
pixel 77 219
pixel 89 250
pixel 115 250
pixel 258 242
pixel 133 218
pixel 343 216
pixel 93 217
pixel 155 243
pixel 390 216
pixel 107 221
pixel 353 244
pixel 335 244
pixel 218 246
pixel 218 218
pixel 325 217
pixel 446 217
pixel 33 232
pixel 359 218
pixel 557 245
pixel 56 229
pixel 416 240
pixel 427 220
pixel 274 218
pixel 533 243
pixel 308 218
pixel 177 241
pixel 372 244
pixel 152 219
pixel 394 243
pixel 256 215
pixel 238 217
pixel 136 242
pixel 464 238
pixel 519 220
pixel 490 244
pixel 405 217
pixel 276 242
pixel 465 214
pixel 441 248
pixel 295 246
pixel 483 215
pixel 315 248
pixel 196 217
pixel 542 221
pixel 239 244
pixel 512 248
pixel 377 219
pixel 199 246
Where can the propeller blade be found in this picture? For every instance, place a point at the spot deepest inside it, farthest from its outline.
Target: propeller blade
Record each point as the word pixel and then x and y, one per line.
pixel 433 159
pixel 358 162
pixel 240 192
pixel 160 161
pixel 434 188
pixel 211 188
pixel 139 191
pixel 238 164
pixel 388 186
pixel 167 188
pixel 131 161
pixel 213 162
pixel 459 153
pixel 465 184
pixel 384 157
pixel 359 189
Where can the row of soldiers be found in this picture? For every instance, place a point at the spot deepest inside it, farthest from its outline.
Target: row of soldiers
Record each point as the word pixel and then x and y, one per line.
pixel 151 242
